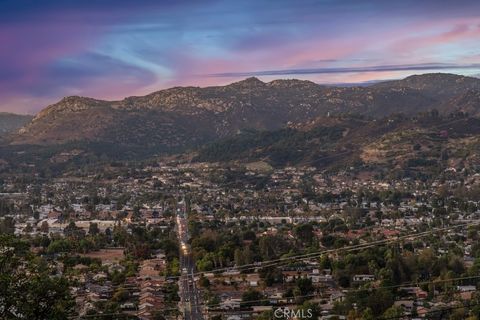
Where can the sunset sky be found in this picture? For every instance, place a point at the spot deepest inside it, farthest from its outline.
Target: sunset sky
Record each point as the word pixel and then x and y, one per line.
pixel 111 49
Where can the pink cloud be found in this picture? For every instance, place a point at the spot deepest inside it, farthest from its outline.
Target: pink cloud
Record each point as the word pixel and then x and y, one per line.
pixel 456 34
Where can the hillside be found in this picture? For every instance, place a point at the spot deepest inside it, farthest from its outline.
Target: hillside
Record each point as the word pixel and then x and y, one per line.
pixel 10 122
pixel 417 145
pixel 182 117
pixel 435 85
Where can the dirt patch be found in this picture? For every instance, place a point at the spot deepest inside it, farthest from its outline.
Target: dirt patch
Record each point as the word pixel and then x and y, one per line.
pixel 107 255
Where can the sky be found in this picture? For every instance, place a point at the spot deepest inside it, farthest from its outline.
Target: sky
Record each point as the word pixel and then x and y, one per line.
pixel 111 49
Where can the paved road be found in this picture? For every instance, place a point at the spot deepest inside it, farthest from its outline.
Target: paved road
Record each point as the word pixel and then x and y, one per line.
pixel 189 293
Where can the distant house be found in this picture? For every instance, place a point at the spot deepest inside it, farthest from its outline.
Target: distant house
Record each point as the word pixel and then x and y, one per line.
pixel 291 276
pixel 407 305
pixel 337 296
pixel 363 277
pixel 54 214
pixel 416 291
pixel 127 306
pixel 421 294
pixel 466 288
pixel 100 276
pixel 253 280
pixel 319 278
pixel 466 292
pixel 230 304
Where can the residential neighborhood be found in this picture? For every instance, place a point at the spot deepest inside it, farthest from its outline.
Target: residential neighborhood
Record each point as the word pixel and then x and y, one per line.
pixel 259 240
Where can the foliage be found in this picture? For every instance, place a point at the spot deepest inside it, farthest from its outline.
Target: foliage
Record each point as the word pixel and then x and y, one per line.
pixel 27 287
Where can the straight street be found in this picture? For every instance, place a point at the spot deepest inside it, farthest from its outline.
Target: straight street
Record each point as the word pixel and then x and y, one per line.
pixel 190 297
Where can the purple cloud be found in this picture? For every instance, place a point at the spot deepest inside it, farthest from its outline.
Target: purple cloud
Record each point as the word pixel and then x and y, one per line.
pixel 384 68
pixel 114 48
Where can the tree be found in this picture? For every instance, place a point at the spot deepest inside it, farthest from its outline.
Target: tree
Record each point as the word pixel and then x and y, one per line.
pixel 120 235
pixel 379 301
pixel 393 312
pixel 158 315
pixel 204 282
pixel 270 245
pixel 368 314
pixel 458 314
pixel 238 257
pixel 325 262
pixel 93 229
pixel 27 289
pixel 271 275
pixel 73 231
pixel 303 289
pixel 304 286
pixel 247 255
pixel 206 263
pixel 266 315
pixel 59 245
pixel 7 225
pixel 120 295
pixel 251 297
pixel 305 232
pixel 44 227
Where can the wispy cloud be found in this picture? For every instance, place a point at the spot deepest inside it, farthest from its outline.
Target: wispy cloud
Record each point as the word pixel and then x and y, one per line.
pixel 114 48
pixel 380 68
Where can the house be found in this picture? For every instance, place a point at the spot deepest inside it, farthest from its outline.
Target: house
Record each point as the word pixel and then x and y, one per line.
pixel 320 278
pixel 127 306
pixel 466 292
pixel 337 296
pixel 407 305
pixel 230 304
pixel 54 214
pixel 416 292
pixel 363 277
pixel 421 294
pixel 466 288
pixel 100 276
pixel 291 276
pixel 253 279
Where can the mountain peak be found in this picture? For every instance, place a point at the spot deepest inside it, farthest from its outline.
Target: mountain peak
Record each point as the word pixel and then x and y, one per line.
pixel 69 104
pixel 439 86
pixel 438 76
pixel 248 83
pixel 285 83
pixel 78 99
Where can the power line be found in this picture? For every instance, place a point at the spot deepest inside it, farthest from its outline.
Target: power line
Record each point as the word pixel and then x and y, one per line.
pixel 407 285
pixel 275 262
pixel 347 248
pixel 441 311
pixel 319 295
pixel 360 247
pixel 316 254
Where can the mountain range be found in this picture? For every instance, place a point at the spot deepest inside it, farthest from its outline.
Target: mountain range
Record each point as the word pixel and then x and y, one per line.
pixel 181 117
pixel 247 119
